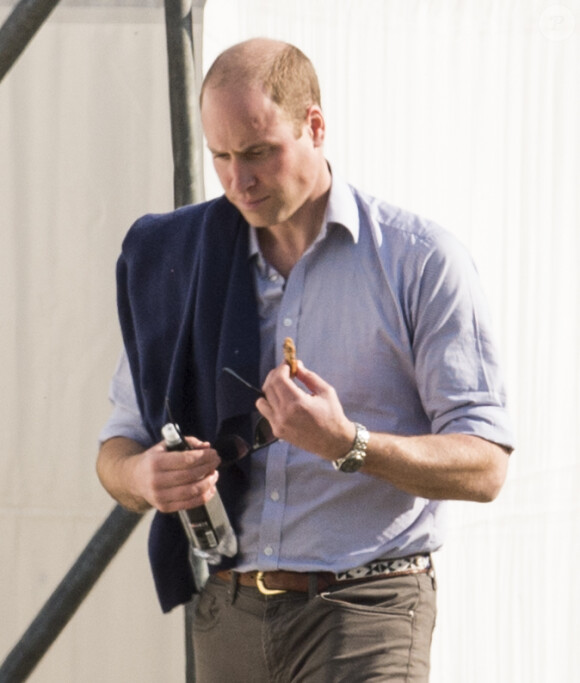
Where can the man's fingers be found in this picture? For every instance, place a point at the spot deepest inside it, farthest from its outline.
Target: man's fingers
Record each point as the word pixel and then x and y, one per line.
pixel 174 480
pixel 313 382
pixel 174 498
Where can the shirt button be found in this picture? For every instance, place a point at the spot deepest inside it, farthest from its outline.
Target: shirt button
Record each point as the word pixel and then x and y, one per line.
pixel 273 277
pixel 275 495
pixel 287 322
pixel 268 550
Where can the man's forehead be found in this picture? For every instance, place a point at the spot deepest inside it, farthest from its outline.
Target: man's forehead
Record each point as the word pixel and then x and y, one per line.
pixel 237 96
pixel 250 119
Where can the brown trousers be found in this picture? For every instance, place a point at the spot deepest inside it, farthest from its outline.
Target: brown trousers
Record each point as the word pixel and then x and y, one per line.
pixel 378 630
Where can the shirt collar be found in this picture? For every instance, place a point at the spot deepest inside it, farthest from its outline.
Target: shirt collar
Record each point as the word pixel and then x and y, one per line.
pixel 341 210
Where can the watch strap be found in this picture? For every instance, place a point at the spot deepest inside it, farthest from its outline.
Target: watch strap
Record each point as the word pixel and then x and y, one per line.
pixel 354 459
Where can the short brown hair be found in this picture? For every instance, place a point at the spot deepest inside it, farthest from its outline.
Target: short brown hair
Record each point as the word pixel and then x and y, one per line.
pixel 280 69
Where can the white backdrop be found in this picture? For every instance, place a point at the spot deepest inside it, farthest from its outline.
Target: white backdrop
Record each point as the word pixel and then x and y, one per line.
pixel 465 112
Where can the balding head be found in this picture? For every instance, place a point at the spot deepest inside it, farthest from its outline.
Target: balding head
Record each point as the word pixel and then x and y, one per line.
pixel 279 69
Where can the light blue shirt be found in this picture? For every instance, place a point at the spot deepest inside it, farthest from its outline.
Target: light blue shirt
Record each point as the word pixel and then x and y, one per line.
pixel 388 308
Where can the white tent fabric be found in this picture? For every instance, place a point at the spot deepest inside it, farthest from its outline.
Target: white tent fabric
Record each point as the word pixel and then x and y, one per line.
pixel 464 112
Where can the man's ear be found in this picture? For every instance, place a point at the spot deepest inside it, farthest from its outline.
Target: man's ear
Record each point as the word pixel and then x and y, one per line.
pixel 316 124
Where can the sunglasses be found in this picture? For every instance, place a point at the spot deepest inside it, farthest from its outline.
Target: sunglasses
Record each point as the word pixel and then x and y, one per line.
pixel 232 447
pixel 240 379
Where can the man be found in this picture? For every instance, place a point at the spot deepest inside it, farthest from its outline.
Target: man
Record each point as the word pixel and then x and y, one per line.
pixel 397 403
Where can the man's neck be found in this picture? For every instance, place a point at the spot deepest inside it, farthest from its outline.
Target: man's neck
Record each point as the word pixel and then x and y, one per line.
pixel 284 245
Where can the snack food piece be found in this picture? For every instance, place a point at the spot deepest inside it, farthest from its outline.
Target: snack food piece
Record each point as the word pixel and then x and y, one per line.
pixel 290 356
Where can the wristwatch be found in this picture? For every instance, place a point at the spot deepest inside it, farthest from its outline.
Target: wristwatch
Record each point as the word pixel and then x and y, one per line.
pixel 354 459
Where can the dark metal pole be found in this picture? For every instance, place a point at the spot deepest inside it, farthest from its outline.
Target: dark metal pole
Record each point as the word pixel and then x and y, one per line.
pixel 184 28
pixel 19 29
pixel 68 596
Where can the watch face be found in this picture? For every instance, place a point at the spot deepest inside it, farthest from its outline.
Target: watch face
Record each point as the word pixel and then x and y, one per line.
pixel 353 462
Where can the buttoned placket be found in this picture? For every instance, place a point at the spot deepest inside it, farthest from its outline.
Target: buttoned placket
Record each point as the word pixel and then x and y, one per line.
pixel 286 296
pixel 287 325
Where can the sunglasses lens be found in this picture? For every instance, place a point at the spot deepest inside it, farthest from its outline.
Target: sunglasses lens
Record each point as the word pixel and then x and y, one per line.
pixel 263 433
pixel 231 448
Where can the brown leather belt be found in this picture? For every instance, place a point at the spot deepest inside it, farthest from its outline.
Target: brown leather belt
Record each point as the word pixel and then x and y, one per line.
pixel 276 582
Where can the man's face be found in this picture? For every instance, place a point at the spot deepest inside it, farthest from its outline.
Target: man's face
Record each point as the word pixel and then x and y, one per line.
pixel 267 171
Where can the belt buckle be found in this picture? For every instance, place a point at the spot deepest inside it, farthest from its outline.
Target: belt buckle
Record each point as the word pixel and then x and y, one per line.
pixel 263 589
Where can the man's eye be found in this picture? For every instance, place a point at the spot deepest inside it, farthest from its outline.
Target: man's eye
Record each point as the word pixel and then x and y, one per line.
pixel 256 153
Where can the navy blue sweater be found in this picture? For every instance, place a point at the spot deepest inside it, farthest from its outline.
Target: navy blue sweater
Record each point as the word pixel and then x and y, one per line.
pixel 187 308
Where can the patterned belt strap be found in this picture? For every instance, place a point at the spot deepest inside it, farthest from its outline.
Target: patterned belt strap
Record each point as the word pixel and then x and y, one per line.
pixel 407 565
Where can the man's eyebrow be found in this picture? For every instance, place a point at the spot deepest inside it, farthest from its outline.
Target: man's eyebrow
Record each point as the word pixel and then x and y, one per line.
pixel 244 150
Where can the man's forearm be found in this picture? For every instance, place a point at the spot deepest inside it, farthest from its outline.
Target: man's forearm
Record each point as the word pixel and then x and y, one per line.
pixel 436 466
pixel 439 466
pixel 114 467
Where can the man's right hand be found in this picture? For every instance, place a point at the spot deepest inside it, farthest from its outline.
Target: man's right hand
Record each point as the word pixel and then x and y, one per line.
pixel 168 481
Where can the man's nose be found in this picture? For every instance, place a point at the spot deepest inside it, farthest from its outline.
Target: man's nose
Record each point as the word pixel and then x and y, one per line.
pixel 242 176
